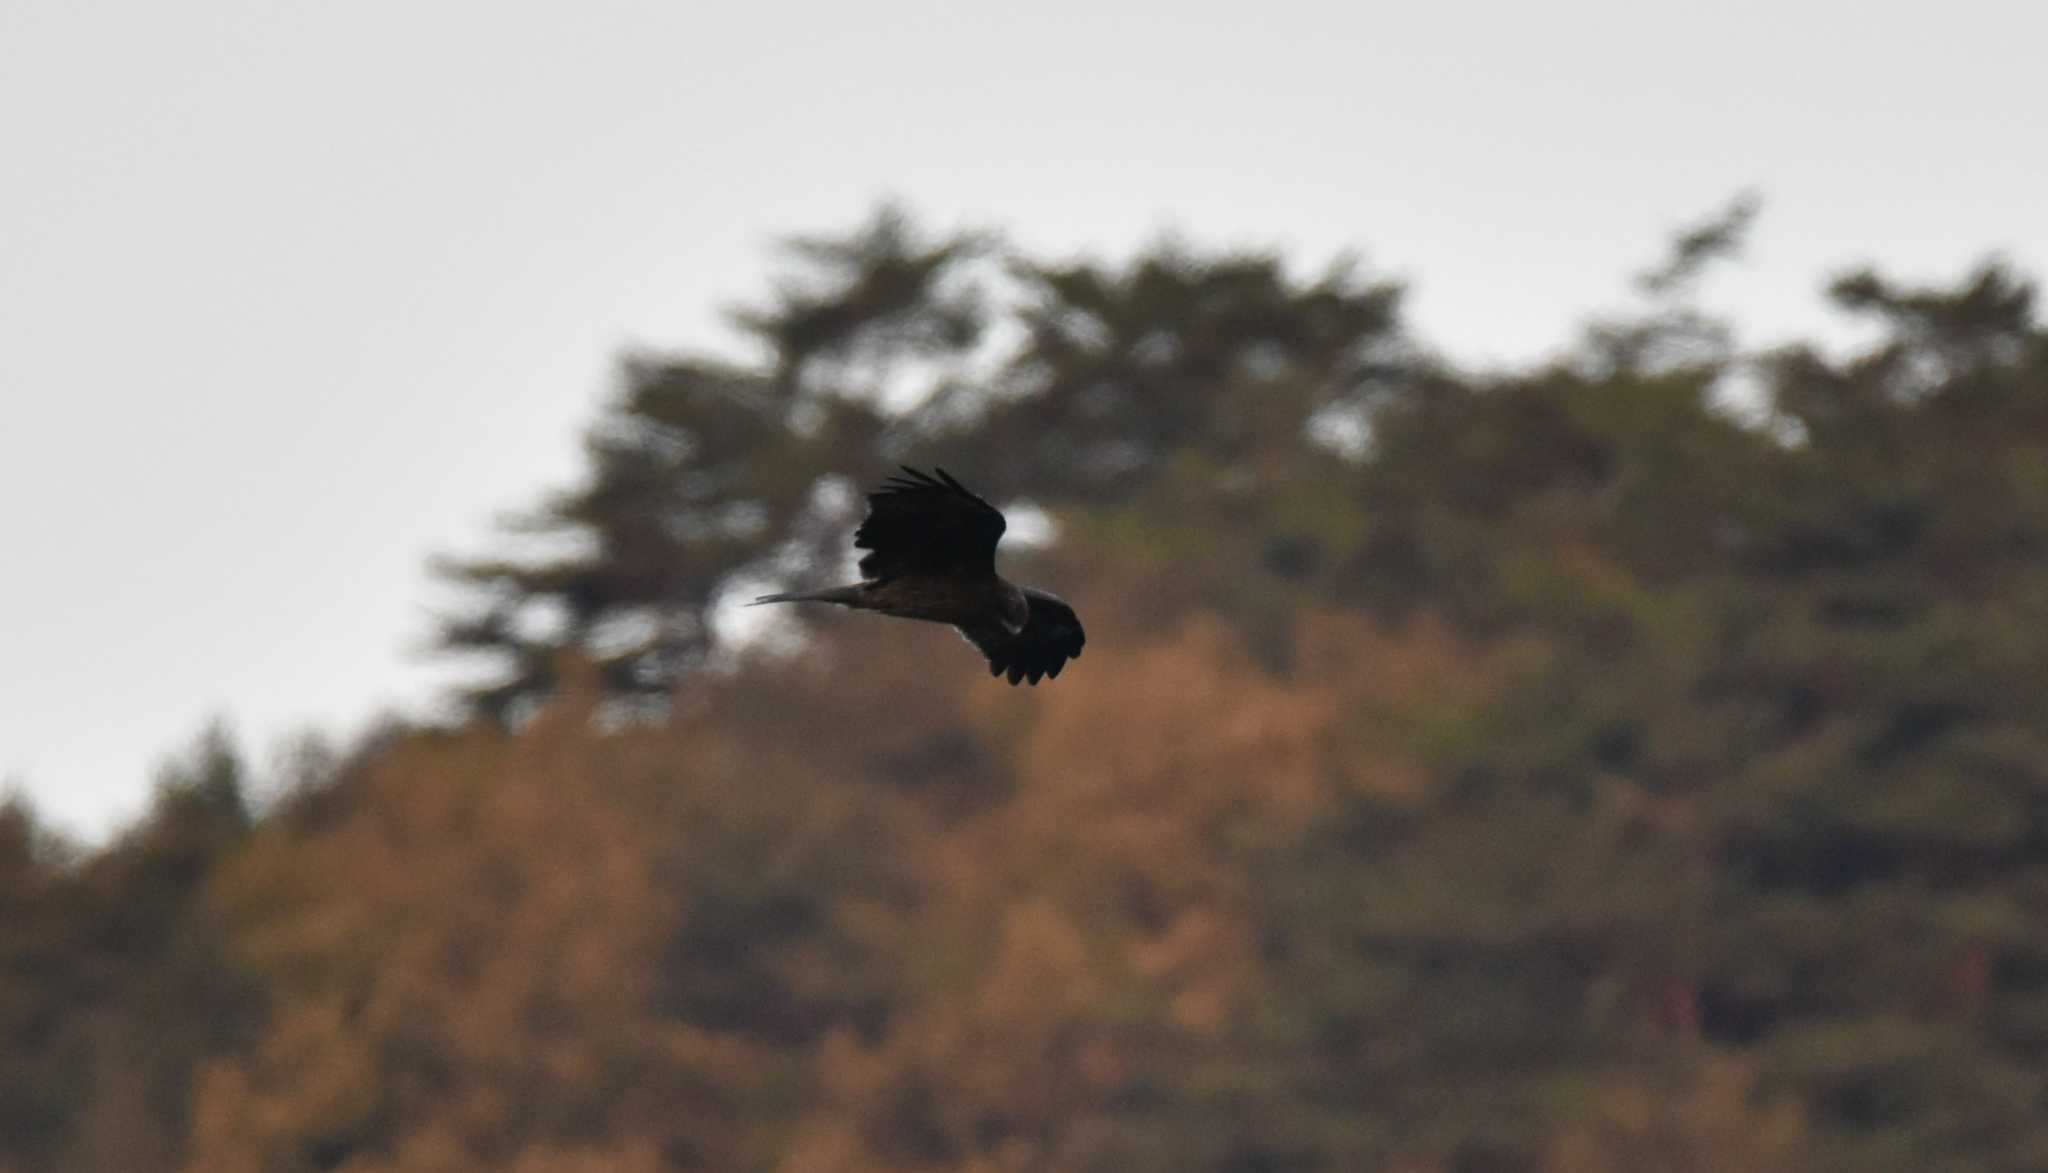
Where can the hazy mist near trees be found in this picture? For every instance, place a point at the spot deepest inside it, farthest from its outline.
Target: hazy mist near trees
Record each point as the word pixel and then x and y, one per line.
pixel 1637 761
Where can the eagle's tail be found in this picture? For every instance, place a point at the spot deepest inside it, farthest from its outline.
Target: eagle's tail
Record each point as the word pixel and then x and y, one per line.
pixel 844 596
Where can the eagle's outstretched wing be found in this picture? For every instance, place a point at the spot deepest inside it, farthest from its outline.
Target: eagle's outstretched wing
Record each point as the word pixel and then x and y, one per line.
pixel 1050 638
pixel 918 524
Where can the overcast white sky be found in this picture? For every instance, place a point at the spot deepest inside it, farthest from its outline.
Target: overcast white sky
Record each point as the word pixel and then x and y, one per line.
pixel 298 294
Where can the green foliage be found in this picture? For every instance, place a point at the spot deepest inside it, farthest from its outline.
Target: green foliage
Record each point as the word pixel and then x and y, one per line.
pixel 1177 380
pixel 1553 769
pixel 112 986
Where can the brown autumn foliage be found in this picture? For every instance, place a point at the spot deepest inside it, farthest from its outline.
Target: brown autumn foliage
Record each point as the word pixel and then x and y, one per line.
pixel 1562 774
pixel 938 962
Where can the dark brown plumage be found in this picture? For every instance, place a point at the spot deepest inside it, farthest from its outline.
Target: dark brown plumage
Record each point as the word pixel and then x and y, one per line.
pixel 932 555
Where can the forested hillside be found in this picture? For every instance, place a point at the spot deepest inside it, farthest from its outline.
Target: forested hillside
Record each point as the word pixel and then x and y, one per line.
pixel 1633 762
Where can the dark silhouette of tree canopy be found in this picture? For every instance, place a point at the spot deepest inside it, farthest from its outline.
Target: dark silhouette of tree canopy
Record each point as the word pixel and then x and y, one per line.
pixel 704 471
pixel 1631 760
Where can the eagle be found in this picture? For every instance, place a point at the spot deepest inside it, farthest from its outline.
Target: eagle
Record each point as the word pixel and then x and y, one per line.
pixel 932 555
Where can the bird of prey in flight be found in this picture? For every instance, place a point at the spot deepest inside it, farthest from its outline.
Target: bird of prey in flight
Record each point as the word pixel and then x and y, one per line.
pixel 932 555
